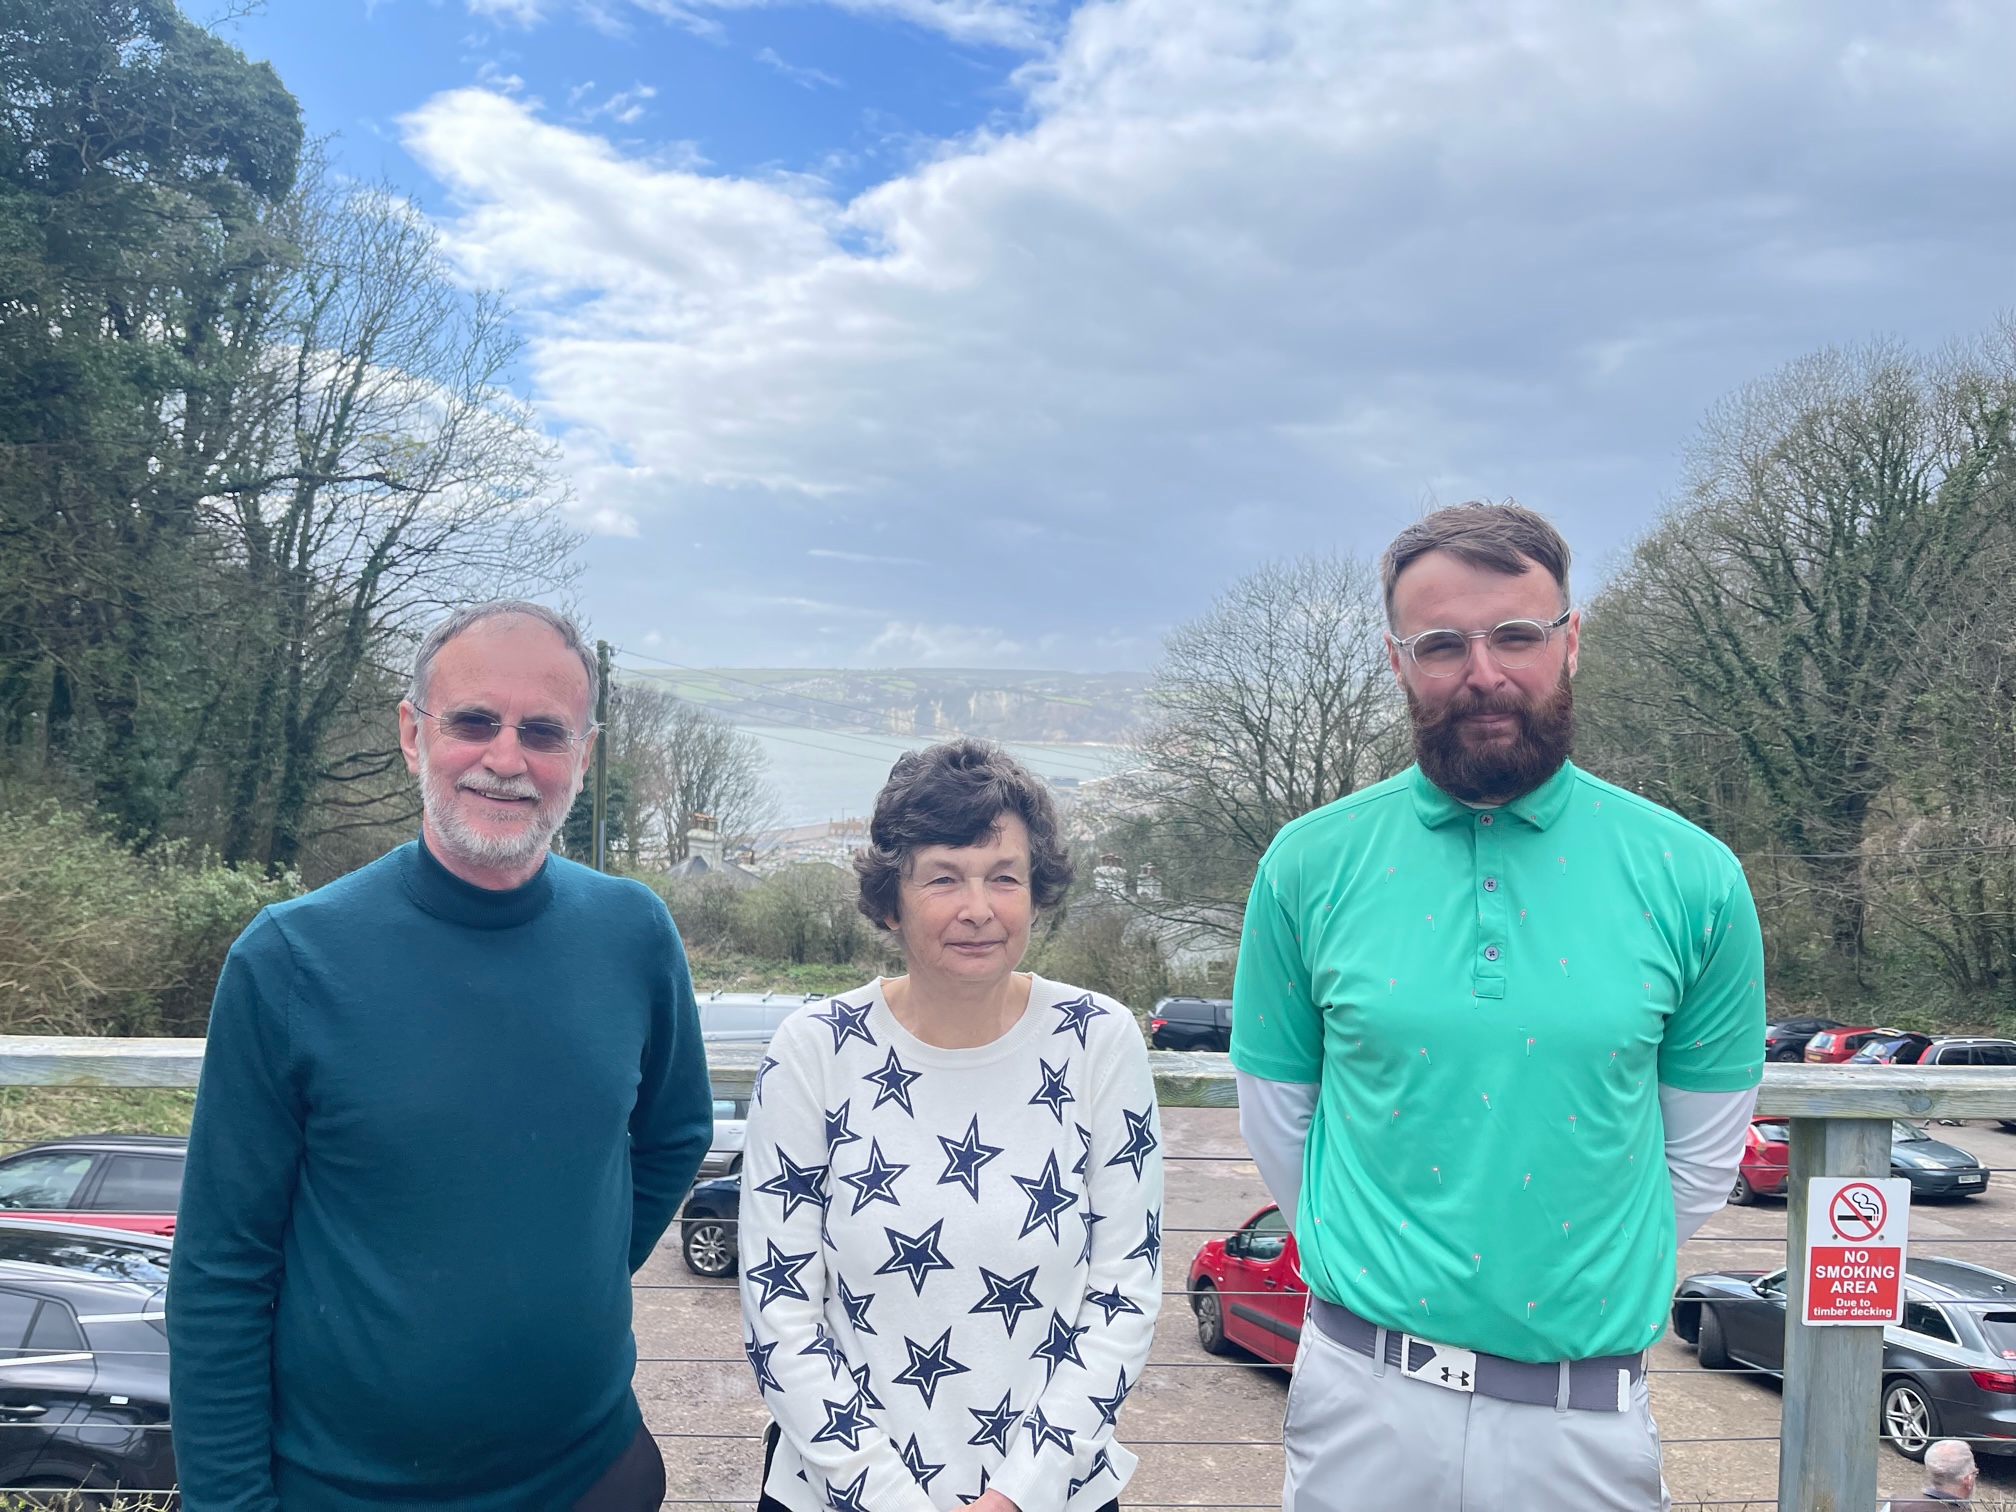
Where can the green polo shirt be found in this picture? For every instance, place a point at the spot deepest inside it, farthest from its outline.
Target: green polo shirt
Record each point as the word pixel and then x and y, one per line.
pixel 1489 998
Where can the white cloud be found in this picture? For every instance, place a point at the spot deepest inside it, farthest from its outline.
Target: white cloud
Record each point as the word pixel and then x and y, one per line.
pixel 1258 275
pixel 517 12
pixel 804 78
pixel 1024 25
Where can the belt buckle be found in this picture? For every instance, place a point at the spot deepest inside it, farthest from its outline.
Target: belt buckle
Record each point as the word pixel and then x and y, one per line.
pixel 1446 1366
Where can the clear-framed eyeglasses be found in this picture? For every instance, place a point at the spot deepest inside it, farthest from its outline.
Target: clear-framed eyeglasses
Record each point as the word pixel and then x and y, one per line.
pixel 478 727
pixel 1514 644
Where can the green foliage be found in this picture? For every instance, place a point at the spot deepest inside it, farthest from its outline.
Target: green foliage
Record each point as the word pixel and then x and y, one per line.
pixel 1101 944
pixel 95 939
pixel 801 917
pixel 31 1113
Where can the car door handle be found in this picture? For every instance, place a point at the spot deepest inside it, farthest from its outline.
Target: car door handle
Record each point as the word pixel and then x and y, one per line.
pixel 28 1410
pixel 1269 1281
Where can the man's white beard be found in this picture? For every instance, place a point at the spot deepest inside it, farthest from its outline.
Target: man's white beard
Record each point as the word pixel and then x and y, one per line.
pixel 485 847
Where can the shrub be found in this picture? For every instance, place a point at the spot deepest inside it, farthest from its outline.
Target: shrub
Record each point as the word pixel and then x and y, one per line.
pixel 97 940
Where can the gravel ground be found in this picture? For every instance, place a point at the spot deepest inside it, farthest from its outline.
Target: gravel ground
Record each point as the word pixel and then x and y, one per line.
pixel 1208 1430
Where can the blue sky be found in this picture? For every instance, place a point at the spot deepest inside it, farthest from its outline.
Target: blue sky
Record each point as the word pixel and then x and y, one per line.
pixel 987 332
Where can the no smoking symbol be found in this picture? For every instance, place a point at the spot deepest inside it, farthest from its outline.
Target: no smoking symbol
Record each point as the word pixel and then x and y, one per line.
pixel 1857 1213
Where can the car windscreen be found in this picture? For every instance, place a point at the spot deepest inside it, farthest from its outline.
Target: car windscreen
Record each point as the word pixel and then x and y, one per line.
pixel 87 1253
pixel 1773 1133
pixel 1906 1133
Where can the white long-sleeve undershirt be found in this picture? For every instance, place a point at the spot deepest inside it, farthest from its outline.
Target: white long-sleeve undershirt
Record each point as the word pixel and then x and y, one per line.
pixel 1704 1143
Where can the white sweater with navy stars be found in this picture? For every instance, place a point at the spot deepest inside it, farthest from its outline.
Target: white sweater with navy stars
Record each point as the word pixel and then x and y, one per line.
pixel 951 1259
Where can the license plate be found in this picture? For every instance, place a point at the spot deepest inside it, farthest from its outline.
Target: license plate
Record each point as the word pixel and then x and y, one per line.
pixel 1973 1180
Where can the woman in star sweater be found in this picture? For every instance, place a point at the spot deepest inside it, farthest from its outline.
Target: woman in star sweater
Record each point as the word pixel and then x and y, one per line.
pixel 952 1186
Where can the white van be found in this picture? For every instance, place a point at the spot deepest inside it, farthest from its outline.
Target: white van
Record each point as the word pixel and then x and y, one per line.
pixel 748 1018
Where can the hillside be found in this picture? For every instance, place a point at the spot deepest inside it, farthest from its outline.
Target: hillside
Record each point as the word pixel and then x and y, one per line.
pixel 1099 707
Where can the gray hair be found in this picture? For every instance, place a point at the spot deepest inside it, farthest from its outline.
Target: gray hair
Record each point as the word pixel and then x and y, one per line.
pixel 1949 1462
pixel 474 614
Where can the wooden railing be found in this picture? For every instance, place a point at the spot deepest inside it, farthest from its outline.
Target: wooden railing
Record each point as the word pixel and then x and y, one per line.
pixel 1840 1124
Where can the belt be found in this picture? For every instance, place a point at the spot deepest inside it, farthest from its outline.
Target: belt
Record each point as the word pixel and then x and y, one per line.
pixel 1601 1384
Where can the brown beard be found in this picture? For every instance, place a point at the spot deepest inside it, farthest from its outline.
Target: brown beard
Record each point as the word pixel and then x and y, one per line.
pixel 1494 770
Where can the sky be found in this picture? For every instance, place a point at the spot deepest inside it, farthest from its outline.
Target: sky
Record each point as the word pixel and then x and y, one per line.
pixel 1004 333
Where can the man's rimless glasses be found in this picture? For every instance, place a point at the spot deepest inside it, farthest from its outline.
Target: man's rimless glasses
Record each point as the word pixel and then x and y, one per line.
pixel 1514 644
pixel 474 727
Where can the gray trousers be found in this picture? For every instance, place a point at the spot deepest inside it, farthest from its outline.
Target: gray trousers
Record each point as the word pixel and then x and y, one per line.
pixel 1364 1442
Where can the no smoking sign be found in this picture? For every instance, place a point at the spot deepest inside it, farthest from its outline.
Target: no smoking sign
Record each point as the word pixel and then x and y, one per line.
pixel 1856 1231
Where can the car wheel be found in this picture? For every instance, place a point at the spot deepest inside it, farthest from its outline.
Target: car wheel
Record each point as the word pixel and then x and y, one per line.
pixel 1788 1055
pixel 1743 1194
pixel 1909 1420
pixel 2006 1123
pixel 1210 1319
pixel 709 1247
pixel 1712 1347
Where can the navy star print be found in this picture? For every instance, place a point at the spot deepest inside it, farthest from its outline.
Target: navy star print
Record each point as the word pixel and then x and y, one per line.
pixel 763 1068
pixel 1009 1296
pixel 778 1275
pixel 837 1132
pixel 1078 1015
pixel 1109 1406
pixel 928 1365
pixel 1042 1431
pixel 1101 1465
pixel 863 1391
pixel 1048 1196
pixel 1060 1347
pixel 799 1186
pixel 893 1083
pixel 1150 1247
pixel 964 1157
pixel 1085 1154
pixel 995 1424
pixel 845 1423
pixel 857 1307
pixel 1089 1217
pixel 1053 1094
pixel 1113 1303
pixel 874 1182
pixel 915 1463
pixel 849 1499
pixel 1140 1140
pixel 915 1257
pixel 824 1343
pixel 759 1361
pixel 848 1021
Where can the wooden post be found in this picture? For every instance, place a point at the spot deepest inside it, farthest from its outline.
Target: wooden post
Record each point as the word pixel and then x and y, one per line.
pixel 1827 1445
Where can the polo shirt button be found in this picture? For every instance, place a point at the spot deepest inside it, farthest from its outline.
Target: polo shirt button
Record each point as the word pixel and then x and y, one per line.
pixel 1490 952
pixel 1483 818
pixel 1490 884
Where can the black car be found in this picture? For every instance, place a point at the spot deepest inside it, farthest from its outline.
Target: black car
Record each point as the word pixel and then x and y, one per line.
pixel 83 1359
pixel 1933 1167
pixel 707 1225
pixel 1191 1023
pixel 1786 1041
pixel 1948 1371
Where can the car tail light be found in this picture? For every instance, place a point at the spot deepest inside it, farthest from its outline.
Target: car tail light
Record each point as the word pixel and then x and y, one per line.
pixel 1995 1380
pixel 1155 1023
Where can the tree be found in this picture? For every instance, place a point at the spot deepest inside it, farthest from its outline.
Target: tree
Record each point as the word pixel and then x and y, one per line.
pixel 142 161
pixel 1276 702
pixel 1776 612
pixel 679 760
pixel 382 476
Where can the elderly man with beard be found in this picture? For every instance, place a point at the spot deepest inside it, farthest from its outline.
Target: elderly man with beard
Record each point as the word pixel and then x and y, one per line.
pixel 1498 1027
pixel 448 1105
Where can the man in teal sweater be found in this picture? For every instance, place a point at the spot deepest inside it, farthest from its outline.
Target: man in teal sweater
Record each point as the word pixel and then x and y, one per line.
pixel 449 1104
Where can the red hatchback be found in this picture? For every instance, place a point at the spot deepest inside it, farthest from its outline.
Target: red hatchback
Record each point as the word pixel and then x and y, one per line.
pixel 125 1181
pixel 1247 1290
pixel 1766 1156
pixel 1832 1046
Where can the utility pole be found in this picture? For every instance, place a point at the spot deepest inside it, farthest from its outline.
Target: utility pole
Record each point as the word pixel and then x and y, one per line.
pixel 602 757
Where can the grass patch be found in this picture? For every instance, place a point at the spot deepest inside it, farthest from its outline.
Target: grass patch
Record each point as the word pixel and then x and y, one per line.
pixel 31 1113
pixel 739 973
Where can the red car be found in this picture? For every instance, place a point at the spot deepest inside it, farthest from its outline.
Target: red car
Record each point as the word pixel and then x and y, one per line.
pixel 1247 1290
pixel 123 1181
pixel 1832 1046
pixel 1767 1149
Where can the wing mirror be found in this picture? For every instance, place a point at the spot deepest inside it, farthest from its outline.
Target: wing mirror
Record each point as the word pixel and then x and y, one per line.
pixel 1236 1244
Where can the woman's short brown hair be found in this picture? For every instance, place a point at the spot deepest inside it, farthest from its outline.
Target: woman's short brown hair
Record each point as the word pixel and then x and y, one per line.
pixel 955 794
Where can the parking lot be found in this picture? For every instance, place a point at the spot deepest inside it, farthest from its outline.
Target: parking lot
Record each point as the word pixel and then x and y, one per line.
pixel 1208 1430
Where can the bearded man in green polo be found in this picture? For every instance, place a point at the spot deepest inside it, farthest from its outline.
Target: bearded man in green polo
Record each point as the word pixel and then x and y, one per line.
pixel 1499 1027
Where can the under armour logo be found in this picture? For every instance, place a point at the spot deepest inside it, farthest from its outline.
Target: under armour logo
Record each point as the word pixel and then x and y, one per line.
pixel 1457 1378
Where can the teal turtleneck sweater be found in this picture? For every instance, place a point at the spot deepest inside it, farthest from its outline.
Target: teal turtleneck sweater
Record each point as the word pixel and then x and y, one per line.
pixel 438 1128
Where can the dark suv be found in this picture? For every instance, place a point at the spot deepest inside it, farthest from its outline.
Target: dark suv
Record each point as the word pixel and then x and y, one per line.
pixel 1191 1023
pixel 1786 1039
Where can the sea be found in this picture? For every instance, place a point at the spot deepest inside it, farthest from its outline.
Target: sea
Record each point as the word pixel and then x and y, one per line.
pixel 832 774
